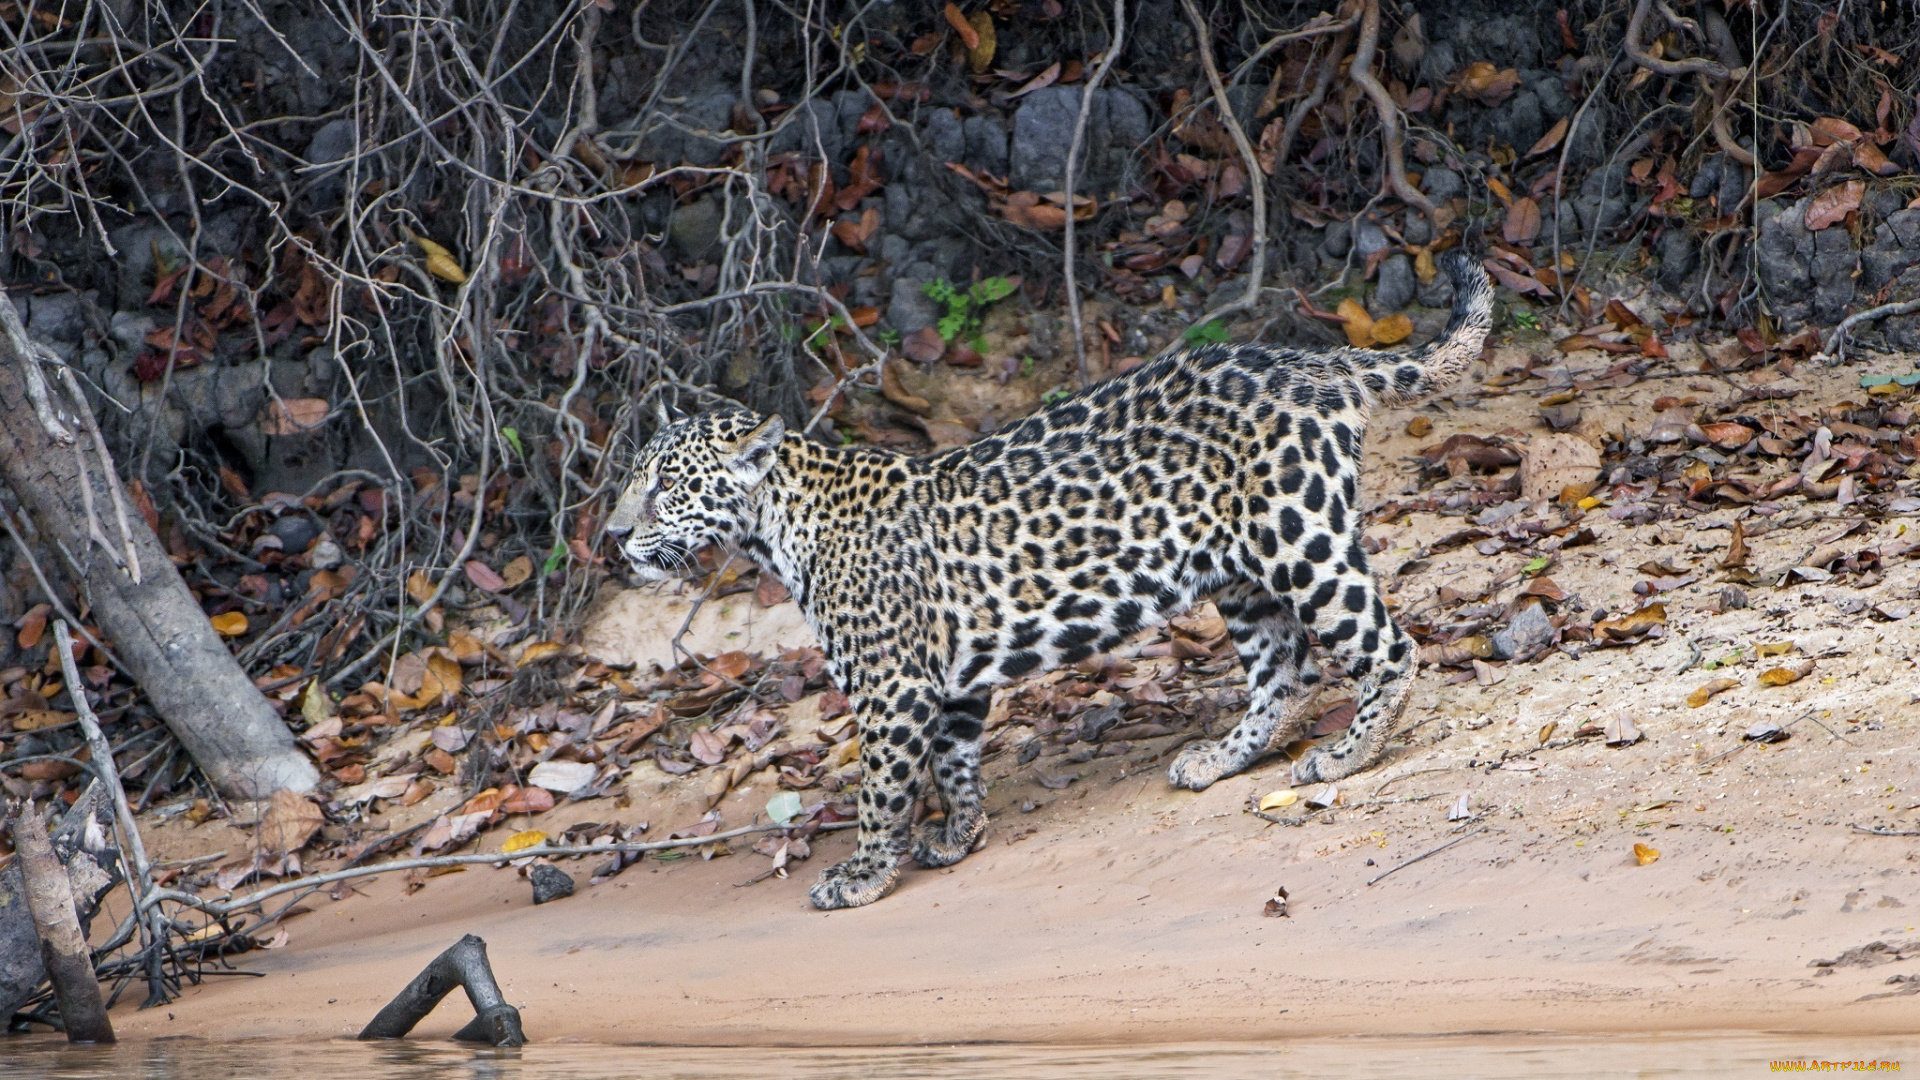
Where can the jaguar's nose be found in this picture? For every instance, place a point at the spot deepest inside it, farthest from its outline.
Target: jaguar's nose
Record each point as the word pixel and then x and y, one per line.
pixel 619 531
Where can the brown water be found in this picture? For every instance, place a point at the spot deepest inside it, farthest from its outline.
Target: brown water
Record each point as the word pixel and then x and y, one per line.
pixel 1479 1056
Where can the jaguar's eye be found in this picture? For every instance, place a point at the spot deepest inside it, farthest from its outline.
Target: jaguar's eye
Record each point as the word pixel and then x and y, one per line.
pixel 665 484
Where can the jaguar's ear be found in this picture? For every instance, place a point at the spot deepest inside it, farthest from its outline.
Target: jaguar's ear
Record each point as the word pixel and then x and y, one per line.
pixel 751 456
pixel 660 417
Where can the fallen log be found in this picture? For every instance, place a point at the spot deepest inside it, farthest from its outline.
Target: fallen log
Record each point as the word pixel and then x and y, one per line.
pixel 464 964
pixel 56 463
pixel 63 946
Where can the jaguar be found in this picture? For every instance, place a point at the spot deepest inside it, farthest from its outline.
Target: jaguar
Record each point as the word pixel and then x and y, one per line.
pixel 1223 471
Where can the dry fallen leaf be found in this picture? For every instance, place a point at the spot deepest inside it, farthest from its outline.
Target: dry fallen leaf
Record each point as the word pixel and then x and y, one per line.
pixel 980 54
pixel 1357 323
pixel 1705 693
pixel 1274 800
pixel 290 821
pixel 1632 625
pixel 961 26
pixel 516 572
pixel 1645 855
pixel 440 261
pixel 231 624
pixel 537 652
pixel 1621 731
pixel 521 841
pixel 1392 330
pixel 294 416
pixel 1834 204
pixel 1523 221
pixel 1787 674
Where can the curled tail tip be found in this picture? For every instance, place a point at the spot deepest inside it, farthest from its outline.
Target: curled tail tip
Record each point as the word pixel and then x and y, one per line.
pixel 1472 288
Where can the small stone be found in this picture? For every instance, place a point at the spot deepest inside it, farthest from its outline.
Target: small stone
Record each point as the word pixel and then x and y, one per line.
pixel 295 531
pixel 549 883
pixel 325 555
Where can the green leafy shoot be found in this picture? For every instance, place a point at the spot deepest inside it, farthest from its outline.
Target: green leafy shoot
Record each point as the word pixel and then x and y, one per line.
pixel 1525 320
pixel 1057 394
pixel 1206 333
pixel 965 307
pixel 513 439
pixel 554 560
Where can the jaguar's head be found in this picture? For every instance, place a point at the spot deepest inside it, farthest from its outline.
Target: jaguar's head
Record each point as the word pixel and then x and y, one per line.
pixel 692 486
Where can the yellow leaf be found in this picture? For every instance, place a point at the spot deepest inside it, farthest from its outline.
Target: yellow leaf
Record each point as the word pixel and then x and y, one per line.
pixel 1499 190
pixel 232 624
pixel 537 652
pixel 521 841
pixel 1357 323
pixel 314 706
pixel 440 261
pixel 1782 676
pixel 1423 266
pixel 1392 330
pixel 1774 648
pixel 980 57
pixel 1590 502
pixel 1645 855
pixel 419 587
pixel 442 678
pixel 1274 800
pixel 1705 693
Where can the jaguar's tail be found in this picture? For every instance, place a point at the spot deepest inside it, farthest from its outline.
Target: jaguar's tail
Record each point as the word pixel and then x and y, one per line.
pixel 1402 378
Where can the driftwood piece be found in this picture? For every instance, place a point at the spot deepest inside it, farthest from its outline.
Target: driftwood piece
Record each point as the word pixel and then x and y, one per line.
pixel 63 947
pixel 157 629
pixel 463 965
pixel 82 842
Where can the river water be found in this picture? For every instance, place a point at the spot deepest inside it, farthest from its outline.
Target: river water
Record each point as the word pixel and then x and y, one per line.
pixel 1491 1057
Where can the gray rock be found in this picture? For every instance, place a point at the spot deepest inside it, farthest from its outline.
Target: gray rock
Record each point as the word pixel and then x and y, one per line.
pixel 1397 285
pixel 1832 268
pixel 1706 181
pixel 295 531
pixel 909 309
pixel 1441 182
pixel 986 143
pixel 1784 250
pixel 1679 256
pixel 813 130
pixel 1416 228
pixel 334 141
pixel 694 233
pixel 849 106
pixel 1368 238
pixel 943 135
pixel 1338 240
pixel 549 882
pixel 1043 130
pixel 1530 631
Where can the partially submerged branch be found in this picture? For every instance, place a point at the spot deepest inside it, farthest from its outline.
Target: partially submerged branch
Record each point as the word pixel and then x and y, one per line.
pixel 464 965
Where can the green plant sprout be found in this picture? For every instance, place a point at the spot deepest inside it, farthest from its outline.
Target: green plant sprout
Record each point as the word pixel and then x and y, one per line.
pixel 1206 333
pixel 964 308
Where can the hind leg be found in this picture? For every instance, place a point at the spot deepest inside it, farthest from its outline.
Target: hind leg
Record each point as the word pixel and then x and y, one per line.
pixel 1278 659
pixel 955 766
pixel 1353 624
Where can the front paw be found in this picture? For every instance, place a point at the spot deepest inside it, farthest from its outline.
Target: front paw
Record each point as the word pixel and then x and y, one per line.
pixel 1198 766
pixel 945 841
pixel 855 883
pixel 1318 766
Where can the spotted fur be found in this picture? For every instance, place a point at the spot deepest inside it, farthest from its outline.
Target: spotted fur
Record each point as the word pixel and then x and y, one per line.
pixel 1230 471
